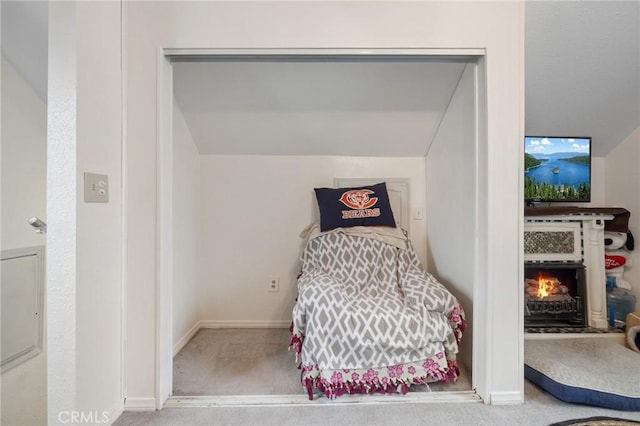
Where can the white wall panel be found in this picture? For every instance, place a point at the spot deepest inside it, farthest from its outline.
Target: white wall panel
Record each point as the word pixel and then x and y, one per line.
pixel 186 229
pixel 598 181
pixel 62 179
pixel 24 158
pixel 253 209
pixel 623 190
pixel 99 225
pixel 451 201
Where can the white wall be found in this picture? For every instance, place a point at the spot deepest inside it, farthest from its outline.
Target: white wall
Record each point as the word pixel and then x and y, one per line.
pixel 24 156
pixel 451 201
pixel 598 184
pixel 61 211
pixel 85 240
pixel 253 209
pixel 496 26
pixel 24 168
pixel 187 229
pixel 623 190
pixel 598 172
pixel 99 227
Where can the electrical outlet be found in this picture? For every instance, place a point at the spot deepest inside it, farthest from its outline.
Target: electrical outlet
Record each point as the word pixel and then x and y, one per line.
pixel 274 284
pixel 96 188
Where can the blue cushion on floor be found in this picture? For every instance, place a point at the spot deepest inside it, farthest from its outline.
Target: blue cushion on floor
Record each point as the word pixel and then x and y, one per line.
pixel 592 371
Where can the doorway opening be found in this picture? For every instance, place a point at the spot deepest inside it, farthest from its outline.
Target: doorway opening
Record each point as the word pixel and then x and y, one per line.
pixel 244 139
pixel 24 100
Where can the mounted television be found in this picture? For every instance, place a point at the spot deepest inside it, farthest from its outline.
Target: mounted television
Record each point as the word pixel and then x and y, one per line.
pixel 557 169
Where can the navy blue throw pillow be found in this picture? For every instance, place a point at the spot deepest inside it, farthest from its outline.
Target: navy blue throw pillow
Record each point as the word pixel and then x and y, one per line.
pixel 362 206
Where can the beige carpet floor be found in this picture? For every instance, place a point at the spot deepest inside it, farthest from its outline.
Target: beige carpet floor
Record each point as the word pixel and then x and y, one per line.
pixel 250 362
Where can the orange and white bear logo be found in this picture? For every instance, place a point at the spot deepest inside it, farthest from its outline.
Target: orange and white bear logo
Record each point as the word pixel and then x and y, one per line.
pixel 360 203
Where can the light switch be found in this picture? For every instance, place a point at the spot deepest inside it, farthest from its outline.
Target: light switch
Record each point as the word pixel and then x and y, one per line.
pixel 96 188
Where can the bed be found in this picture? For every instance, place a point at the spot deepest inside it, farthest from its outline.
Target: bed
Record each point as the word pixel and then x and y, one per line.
pixel 368 318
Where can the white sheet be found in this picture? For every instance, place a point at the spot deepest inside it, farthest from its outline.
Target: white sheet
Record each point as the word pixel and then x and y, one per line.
pixel 393 236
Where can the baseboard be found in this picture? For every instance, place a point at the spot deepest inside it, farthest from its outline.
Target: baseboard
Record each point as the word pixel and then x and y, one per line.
pixel 185 339
pixel 139 404
pixel 244 324
pixel 507 398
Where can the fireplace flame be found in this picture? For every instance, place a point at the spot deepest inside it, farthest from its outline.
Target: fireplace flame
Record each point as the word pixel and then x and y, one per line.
pixel 546 286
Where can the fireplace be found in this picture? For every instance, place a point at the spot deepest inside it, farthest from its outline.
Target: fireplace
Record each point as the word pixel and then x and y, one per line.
pixel 564 238
pixel 555 294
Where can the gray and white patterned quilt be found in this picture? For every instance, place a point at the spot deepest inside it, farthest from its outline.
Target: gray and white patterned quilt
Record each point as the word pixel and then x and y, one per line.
pixel 369 318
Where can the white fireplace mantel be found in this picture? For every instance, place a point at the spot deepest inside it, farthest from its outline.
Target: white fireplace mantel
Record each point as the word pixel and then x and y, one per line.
pixel 573 238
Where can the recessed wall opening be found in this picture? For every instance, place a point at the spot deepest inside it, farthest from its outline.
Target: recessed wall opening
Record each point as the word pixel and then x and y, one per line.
pixel 251 136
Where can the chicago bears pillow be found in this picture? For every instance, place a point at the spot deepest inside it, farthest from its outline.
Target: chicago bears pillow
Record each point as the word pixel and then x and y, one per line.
pixel 362 206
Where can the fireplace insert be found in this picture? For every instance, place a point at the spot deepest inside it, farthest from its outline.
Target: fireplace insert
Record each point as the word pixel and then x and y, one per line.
pixel 554 294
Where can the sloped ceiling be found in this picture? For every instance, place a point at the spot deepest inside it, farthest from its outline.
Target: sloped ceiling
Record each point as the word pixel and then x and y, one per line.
pixel 314 106
pixel 25 26
pixel 583 70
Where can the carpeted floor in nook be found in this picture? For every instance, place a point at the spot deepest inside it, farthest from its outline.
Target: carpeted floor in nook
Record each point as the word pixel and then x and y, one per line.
pixel 250 362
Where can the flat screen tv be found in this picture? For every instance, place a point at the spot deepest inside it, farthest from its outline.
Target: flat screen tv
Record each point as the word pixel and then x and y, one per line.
pixel 557 169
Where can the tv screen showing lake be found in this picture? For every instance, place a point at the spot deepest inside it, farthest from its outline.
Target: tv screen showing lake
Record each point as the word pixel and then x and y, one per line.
pixel 557 176
pixel 559 172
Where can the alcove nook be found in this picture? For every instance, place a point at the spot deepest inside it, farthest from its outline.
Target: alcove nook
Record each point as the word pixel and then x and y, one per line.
pixel 253 134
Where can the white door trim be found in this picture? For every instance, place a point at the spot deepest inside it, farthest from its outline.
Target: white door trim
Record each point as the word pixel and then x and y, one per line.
pixel 164 264
pixel 164 347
